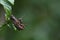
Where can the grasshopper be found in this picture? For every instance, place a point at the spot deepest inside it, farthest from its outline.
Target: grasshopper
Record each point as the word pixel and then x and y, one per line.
pixel 17 22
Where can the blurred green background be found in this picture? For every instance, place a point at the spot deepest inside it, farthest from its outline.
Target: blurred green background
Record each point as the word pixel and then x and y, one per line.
pixel 41 19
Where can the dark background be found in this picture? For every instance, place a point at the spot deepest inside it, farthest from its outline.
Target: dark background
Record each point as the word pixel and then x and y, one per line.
pixel 41 19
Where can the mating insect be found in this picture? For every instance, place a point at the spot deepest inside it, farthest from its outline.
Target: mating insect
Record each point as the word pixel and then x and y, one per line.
pixel 17 22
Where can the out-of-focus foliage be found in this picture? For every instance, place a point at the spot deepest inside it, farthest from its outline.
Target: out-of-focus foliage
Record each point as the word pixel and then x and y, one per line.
pixel 7 11
pixel 7 7
pixel 11 1
pixel 41 19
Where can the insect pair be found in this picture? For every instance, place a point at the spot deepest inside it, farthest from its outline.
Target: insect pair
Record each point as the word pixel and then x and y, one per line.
pixel 17 22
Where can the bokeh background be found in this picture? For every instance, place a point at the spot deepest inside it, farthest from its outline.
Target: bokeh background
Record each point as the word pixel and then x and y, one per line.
pixel 41 19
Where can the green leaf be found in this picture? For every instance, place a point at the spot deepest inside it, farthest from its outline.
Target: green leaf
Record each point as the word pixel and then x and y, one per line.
pixel 11 1
pixel 7 8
